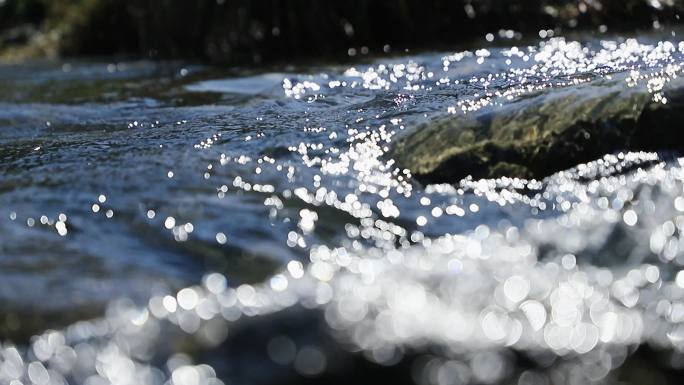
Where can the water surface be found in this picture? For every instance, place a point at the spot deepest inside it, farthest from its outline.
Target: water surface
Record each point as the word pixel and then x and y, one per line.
pixel 215 204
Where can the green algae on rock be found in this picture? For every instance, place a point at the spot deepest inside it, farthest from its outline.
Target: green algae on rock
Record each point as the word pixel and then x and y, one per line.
pixel 543 132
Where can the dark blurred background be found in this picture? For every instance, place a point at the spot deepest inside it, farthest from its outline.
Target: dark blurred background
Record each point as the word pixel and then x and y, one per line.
pixel 240 31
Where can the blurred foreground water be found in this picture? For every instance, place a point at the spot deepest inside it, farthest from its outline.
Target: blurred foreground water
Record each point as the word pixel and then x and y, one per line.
pixel 162 223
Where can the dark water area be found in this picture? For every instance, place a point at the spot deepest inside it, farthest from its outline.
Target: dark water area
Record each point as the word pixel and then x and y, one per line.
pixel 164 222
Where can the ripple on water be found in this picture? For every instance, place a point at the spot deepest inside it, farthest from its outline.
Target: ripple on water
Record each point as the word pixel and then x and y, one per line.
pixel 571 272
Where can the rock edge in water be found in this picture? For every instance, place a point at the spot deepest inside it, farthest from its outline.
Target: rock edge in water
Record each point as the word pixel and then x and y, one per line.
pixel 545 132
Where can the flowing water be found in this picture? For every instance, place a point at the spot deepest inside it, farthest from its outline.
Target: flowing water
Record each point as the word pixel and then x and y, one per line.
pixel 163 223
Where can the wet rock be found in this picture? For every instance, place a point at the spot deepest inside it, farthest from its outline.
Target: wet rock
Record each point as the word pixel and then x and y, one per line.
pixel 544 132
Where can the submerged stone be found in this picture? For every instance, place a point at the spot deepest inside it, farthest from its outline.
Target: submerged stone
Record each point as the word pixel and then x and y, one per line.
pixel 544 132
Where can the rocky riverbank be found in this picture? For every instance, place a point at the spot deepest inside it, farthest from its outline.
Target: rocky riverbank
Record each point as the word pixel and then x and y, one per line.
pixel 261 31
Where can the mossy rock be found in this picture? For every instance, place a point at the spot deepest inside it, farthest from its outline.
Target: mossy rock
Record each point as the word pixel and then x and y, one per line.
pixel 537 135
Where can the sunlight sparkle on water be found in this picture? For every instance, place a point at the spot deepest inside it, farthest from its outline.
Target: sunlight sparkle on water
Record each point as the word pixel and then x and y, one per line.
pixel 410 267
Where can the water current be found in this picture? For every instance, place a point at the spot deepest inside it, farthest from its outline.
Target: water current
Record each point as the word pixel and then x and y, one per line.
pixel 162 223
